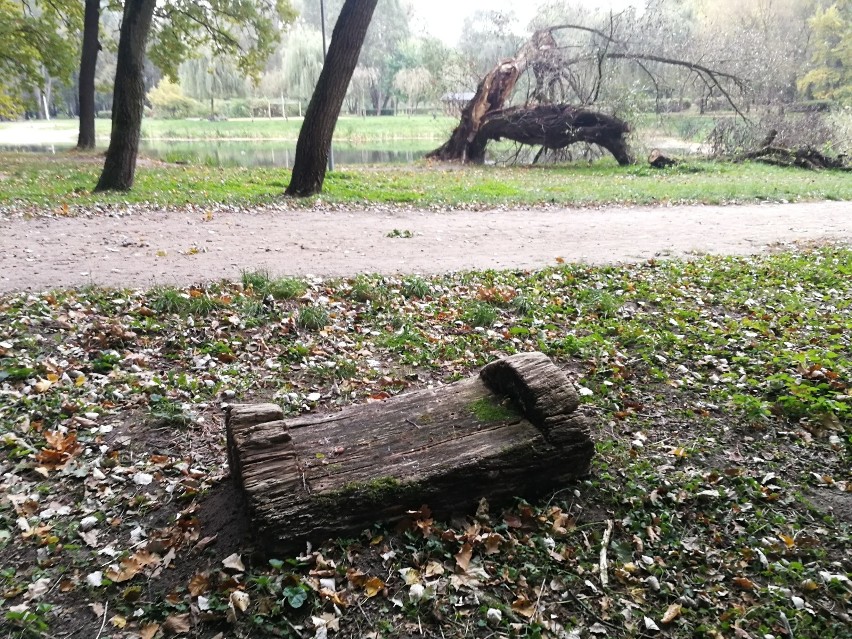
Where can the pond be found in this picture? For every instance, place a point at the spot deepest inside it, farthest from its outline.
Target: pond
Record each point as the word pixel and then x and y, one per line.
pixel 253 153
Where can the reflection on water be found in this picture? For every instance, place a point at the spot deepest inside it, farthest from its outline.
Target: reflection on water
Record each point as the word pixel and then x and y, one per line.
pixel 256 152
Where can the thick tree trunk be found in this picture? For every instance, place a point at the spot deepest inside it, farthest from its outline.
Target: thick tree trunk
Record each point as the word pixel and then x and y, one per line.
pixel 553 126
pixel 321 117
pixel 88 65
pixel 128 100
pixel 512 431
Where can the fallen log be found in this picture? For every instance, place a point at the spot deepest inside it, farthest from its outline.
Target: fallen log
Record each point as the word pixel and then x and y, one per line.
pixel 511 431
pixel 554 126
pixel 802 157
pixel 660 161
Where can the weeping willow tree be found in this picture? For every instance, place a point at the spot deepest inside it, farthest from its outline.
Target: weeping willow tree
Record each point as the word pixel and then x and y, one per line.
pixel 209 77
pixel 295 67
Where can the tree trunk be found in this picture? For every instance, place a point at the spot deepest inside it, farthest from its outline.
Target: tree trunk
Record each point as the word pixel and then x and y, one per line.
pixel 324 108
pixel 554 126
pixel 88 65
pixel 128 102
pixel 512 431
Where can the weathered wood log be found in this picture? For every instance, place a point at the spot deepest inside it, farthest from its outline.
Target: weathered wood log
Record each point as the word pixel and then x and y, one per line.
pixel 659 161
pixel 511 431
pixel 554 126
pixel 802 157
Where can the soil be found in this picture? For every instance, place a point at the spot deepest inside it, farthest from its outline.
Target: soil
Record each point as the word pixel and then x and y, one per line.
pixel 140 248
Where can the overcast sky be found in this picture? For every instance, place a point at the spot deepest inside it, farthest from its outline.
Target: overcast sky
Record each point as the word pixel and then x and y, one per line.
pixel 445 18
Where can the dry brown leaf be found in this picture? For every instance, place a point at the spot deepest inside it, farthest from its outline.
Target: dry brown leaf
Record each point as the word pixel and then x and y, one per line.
pixel 744 582
pixel 524 607
pixel 672 613
pixel 234 563
pixel 463 557
pixel 199 584
pixel 149 630
pixel 177 624
pixel 493 543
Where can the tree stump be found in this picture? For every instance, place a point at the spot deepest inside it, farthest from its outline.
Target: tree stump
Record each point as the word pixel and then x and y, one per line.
pixel 511 431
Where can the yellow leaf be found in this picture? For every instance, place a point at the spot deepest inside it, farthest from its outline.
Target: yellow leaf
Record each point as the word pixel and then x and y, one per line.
pixel 81 379
pixel 373 586
pixel 118 621
pixel 788 540
pixel 672 613
pixel 52 378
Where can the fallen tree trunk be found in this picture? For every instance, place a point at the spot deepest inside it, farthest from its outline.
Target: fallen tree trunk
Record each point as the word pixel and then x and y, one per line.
pixel 804 157
pixel 511 431
pixel 553 126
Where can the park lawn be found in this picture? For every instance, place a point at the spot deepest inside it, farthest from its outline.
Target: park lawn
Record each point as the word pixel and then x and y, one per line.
pixel 349 129
pixel 64 181
pixel 720 390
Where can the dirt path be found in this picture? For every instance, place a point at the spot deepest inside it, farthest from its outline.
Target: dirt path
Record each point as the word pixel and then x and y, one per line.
pixel 182 248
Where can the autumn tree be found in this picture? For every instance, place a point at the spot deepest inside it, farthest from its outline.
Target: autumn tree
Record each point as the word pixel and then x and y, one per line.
pixel 321 117
pixel 228 27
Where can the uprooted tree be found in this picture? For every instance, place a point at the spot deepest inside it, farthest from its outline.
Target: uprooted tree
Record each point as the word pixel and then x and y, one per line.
pixel 556 73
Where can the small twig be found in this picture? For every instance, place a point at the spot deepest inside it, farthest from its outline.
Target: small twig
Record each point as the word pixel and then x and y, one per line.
pixel 540 593
pixel 604 565
pixel 103 622
pixel 293 628
pixel 787 625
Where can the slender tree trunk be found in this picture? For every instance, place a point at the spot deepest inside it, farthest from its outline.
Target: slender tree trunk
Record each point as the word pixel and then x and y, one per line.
pixel 324 108
pixel 128 100
pixel 88 65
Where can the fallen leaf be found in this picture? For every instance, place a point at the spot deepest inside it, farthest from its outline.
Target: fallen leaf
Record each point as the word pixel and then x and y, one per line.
pixel 463 557
pixel 234 563
pixel 199 584
pixel 744 583
pixel 524 607
pixel 373 586
pixel 149 630
pixel 177 624
pixel 672 613
pixel 240 600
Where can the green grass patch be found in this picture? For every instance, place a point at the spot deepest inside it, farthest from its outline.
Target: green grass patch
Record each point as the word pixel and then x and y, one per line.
pixel 57 182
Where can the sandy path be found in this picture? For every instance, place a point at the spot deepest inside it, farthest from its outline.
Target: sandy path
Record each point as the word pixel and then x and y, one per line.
pixel 183 248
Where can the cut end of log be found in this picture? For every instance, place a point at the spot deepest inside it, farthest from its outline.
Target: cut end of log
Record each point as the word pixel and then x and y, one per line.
pixel 512 431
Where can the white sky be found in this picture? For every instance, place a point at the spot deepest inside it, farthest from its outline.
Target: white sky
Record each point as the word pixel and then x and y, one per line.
pixel 445 18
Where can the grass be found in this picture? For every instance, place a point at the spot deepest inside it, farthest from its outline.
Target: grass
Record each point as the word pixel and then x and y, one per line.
pixel 348 129
pixel 719 390
pixel 61 181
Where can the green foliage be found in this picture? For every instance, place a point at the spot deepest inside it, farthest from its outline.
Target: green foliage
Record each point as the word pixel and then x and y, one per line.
pixel 246 31
pixel 831 77
pixel 480 314
pixel 168 101
pixel 34 37
pixel 312 318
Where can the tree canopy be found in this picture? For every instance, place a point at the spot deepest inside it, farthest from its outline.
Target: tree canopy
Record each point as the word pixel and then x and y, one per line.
pixel 35 41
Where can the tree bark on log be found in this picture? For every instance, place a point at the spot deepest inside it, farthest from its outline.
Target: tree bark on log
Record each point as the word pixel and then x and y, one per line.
pixel 511 431
pixel 553 126
pixel 804 158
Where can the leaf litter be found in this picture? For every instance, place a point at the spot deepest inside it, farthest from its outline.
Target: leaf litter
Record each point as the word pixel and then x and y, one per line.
pixel 720 503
